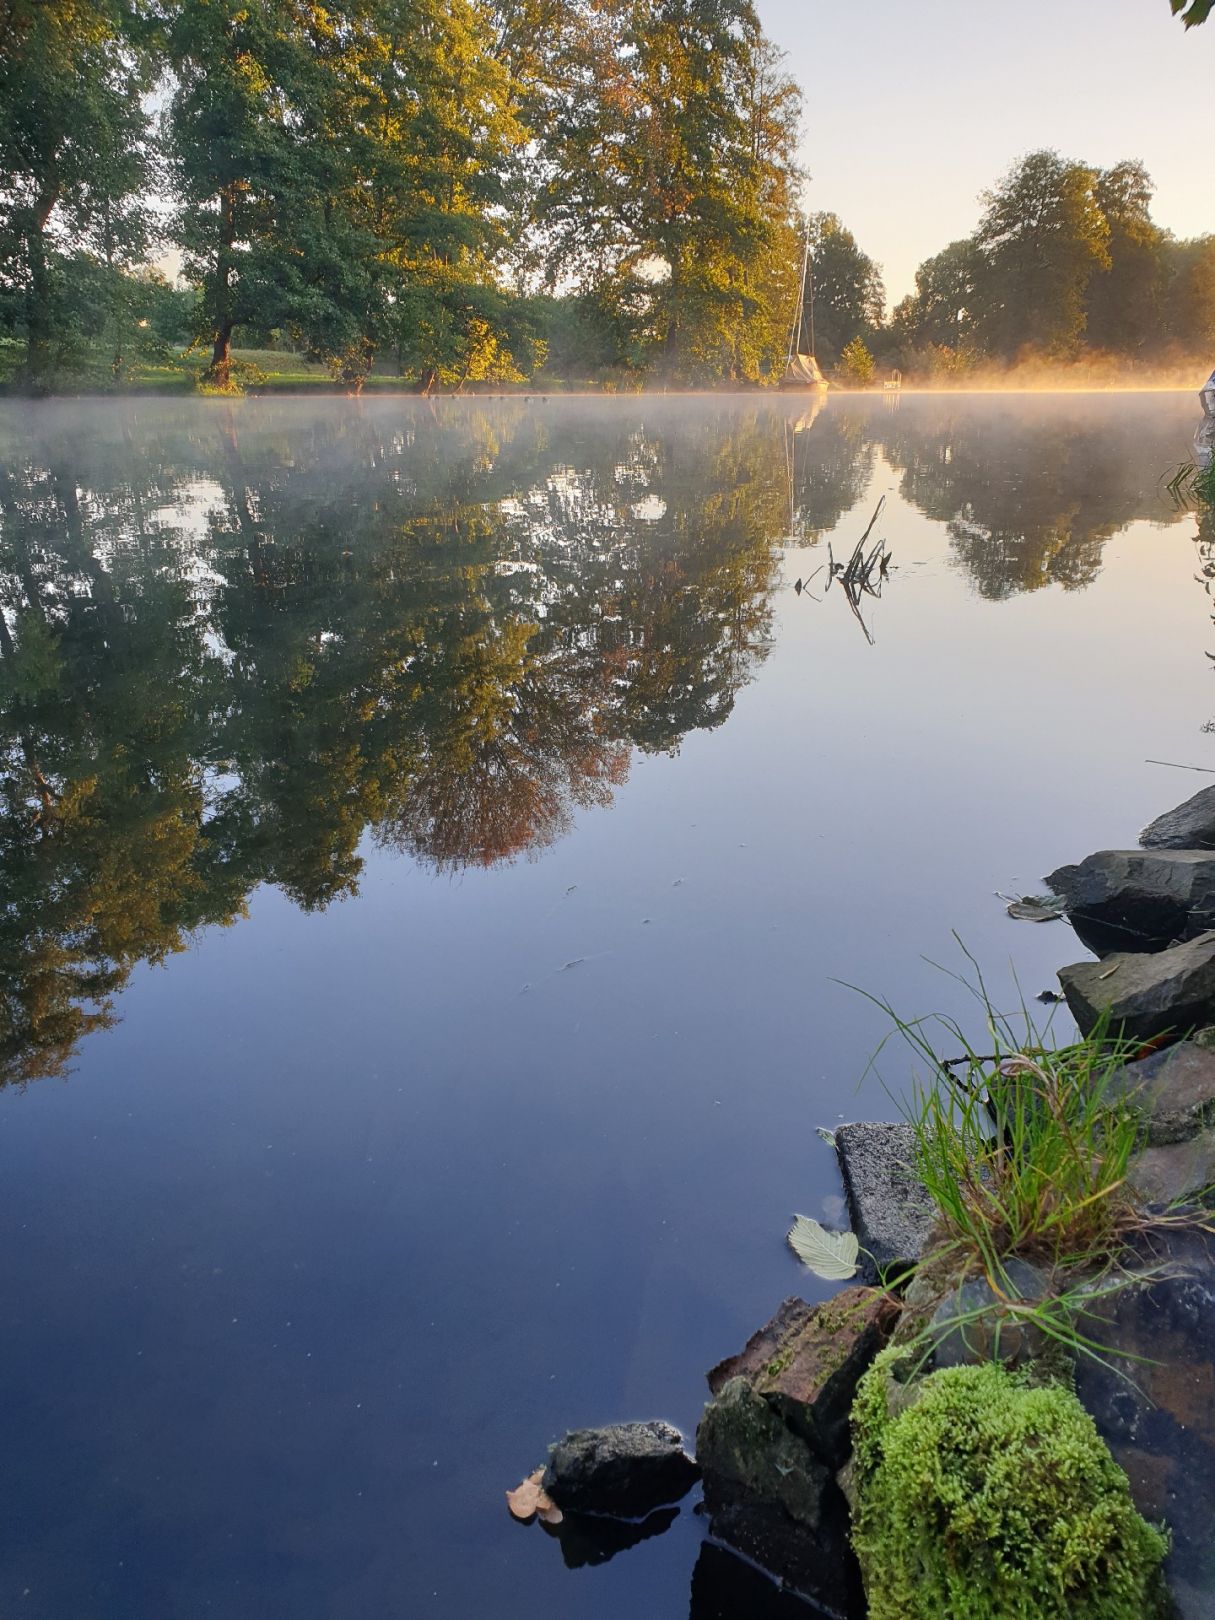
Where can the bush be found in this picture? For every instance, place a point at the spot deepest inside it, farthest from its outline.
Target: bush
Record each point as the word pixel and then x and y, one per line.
pixel 857 364
pixel 992 1498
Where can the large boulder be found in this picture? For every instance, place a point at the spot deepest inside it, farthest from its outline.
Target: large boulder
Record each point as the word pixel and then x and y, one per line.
pixel 1170 992
pixel 891 1212
pixel 1190 826
pixel 1152 1395
pixel 1174 1091
pixel 1136 899
pixel 624 1469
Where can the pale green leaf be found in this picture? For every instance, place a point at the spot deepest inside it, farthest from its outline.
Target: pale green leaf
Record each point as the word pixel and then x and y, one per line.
pixel 830 1255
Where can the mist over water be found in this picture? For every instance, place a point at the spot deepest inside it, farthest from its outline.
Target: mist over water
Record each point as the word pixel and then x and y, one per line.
pixel 435 838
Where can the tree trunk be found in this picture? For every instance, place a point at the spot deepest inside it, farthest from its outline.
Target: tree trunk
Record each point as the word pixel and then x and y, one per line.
pixel 427 380
pixel 219 372
pixel 38 323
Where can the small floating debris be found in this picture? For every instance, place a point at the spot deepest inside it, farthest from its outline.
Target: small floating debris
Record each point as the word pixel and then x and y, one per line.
pixel 1035 907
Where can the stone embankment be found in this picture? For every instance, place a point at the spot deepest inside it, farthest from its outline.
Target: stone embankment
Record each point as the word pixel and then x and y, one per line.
pixel 774 1448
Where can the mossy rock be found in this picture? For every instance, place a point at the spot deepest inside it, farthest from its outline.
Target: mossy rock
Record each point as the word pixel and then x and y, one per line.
pixel 989 1497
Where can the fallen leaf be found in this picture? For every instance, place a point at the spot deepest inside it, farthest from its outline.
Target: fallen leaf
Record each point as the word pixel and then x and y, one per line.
pixel 830 1255
pixel 530 1501
pixel 1036 908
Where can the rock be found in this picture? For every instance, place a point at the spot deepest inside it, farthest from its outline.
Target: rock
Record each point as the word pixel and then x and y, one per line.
pixel 744 1449
pixel 1173 1089
pixel 1145 996
pixel 772 1500
pixel 972 1323
pixel 1138 900
pixel 1157 1412
pixel 806 1363
pixel 1190 826
pixel 1177 1173
pixel 890 1209
pixel 625 1469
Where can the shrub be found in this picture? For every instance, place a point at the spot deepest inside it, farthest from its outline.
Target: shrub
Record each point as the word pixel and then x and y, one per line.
pixel 993 1498
pixel 857 364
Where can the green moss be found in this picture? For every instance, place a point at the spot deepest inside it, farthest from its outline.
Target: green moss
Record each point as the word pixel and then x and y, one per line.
pixel 989 1498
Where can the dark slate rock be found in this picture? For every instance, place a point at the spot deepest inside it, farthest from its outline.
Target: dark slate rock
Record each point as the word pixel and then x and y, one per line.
pixel 1190 826
pixel 972 1323
pixel 1173 1089
pixel 1145 996
pixel 1177 1173
pixel 745 1450
pixel 1159 1421
pixel 890 1209
pixel 806 1363
pixel 1138 900
pixel 771 1499
pixel 625 1469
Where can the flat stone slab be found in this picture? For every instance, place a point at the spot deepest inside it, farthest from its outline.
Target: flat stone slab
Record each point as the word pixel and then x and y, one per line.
pixel 1190 826
pixel 1174 1090
pixel 1138 899
pixel 1177 1172
pixel 1166 992
pixel 624 1469
pixel 891 1212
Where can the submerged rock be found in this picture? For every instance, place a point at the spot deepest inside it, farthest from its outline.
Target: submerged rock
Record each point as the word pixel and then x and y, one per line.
pixel 1138 900
pixel 1172 991
pixel 625 1469
pixel 890 1209
pixel 1174 1090
pixel 1157 1411
pixel 1190 826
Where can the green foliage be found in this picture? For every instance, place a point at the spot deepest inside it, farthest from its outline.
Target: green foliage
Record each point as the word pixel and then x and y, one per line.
pixel 857 365
pixel 74 160
pixel 845 288
pixel 1192 12
pixel 991 1498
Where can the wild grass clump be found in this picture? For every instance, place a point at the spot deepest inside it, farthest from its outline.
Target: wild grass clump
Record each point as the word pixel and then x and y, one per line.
pixel 1023 1144
pixel 991 1497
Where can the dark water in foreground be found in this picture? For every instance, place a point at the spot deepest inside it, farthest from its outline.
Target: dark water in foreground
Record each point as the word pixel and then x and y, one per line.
pixel 431 838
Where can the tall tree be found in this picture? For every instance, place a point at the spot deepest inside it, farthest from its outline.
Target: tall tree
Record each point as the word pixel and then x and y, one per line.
pixel 74 155
pixel 1042 238
pixel 1124 297
pixel 670 179
pixel 845 285
pixel 941 310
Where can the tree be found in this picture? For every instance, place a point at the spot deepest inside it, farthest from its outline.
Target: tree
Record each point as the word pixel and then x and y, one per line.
pixel 1124 296
pixel 856 364
pixel 1042 238
pixel 1189 292
pixel 74 156
pixel 941 310
pixel 846 288
pixel 669 180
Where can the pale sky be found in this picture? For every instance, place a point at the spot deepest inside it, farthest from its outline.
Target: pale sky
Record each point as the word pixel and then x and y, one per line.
pixel 913 107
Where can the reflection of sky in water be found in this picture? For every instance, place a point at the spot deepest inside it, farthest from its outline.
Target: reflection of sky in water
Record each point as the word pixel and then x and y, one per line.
pixel 559 818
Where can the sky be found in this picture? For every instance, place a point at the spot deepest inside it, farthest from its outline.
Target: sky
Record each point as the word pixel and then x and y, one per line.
pixel 913 107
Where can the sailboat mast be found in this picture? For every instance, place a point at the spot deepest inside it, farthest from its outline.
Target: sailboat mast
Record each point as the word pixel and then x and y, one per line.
pixel 795 337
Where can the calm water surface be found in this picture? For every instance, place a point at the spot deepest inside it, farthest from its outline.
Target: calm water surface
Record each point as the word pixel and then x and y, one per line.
pixel 432 841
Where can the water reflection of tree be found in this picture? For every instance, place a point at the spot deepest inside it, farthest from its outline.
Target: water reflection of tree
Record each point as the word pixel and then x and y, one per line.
pixel 1030 491
pixel 447 634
